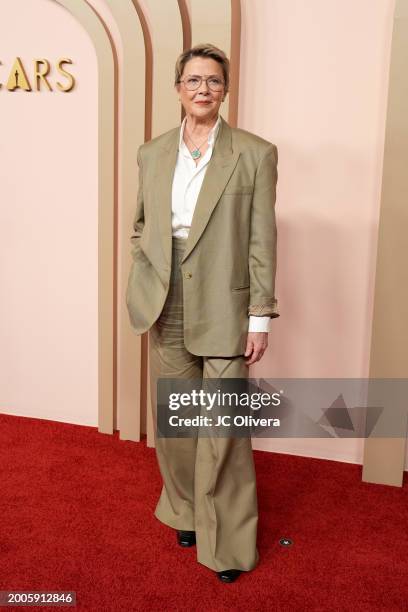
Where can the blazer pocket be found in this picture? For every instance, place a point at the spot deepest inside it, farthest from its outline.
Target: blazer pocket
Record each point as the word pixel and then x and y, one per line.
pixel 239 190
pixel 241 288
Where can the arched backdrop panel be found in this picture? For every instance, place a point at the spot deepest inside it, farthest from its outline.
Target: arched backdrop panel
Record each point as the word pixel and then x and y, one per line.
pixel 57 339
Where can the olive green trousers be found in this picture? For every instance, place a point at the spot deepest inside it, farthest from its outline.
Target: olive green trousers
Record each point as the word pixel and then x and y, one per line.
pixel 209 483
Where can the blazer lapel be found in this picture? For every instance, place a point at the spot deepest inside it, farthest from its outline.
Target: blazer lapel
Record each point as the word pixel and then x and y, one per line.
pixel 219 170
pixel 166 165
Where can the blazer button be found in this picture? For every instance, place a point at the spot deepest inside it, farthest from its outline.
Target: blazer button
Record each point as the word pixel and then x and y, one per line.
pixel 187 275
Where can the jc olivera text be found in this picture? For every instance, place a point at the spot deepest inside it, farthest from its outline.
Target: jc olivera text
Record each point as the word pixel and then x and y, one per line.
pixel 223 421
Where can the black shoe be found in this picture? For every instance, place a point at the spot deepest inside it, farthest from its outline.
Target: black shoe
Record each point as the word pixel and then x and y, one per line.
pixel 186 538
pixel 229 575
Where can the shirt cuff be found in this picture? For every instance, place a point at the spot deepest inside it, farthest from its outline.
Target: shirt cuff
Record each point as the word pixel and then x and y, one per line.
pixel 258 324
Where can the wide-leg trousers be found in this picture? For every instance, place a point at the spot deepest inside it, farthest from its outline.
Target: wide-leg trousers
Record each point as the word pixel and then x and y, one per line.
pixel 209 483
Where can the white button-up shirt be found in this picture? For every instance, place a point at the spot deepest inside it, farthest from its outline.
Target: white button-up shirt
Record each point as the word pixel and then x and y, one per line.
pixel 187 181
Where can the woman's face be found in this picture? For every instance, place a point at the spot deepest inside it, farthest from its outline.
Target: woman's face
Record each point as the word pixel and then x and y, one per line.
pixel 203 102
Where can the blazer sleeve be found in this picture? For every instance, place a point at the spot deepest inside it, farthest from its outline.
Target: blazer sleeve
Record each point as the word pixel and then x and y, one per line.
pixel 263 237
pixel 138 221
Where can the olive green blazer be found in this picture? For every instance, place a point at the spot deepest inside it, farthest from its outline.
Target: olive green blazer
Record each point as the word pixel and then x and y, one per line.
pixel 229 264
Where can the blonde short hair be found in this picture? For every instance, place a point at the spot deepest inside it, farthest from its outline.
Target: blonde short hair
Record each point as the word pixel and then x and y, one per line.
pixel 203 50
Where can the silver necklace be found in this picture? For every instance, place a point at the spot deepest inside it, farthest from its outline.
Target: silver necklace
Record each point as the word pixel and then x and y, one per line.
pixel 196 153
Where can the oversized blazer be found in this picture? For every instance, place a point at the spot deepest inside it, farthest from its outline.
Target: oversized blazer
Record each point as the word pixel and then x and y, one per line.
pixel 229 263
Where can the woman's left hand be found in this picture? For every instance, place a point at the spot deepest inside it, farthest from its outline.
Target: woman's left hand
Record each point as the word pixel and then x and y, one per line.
pixel 256 346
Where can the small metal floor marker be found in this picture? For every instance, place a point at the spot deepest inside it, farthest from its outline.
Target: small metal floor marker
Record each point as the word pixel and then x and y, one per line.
pixel 285 542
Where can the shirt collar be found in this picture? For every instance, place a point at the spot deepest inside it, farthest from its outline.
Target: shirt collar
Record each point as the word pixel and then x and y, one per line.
pixel 211 136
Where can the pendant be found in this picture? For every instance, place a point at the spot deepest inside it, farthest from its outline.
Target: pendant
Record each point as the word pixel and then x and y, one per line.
pixel 195 154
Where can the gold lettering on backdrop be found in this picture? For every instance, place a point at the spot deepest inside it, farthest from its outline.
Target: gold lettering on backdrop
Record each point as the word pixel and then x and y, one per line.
pixel 18 78
pixel 41 69
pixel 71 79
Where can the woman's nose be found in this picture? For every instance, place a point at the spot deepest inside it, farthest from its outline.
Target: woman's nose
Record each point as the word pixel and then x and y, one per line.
pixel 203 87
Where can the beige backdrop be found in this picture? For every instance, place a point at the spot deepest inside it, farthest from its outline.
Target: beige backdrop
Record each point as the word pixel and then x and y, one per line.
pixel 313 79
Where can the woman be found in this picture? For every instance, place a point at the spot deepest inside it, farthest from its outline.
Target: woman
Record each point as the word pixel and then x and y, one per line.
pixel 202 281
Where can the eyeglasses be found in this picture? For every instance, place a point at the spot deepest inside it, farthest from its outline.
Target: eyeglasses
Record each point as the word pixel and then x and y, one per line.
pixel 194 82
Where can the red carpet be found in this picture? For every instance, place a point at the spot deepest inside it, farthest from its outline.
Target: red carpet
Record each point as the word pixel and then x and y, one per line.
pixel 76 513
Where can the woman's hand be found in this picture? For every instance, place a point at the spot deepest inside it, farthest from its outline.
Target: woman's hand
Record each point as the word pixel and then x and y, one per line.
pixel 256 346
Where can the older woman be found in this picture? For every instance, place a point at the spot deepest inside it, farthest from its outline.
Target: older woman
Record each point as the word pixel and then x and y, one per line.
pixel 202 282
